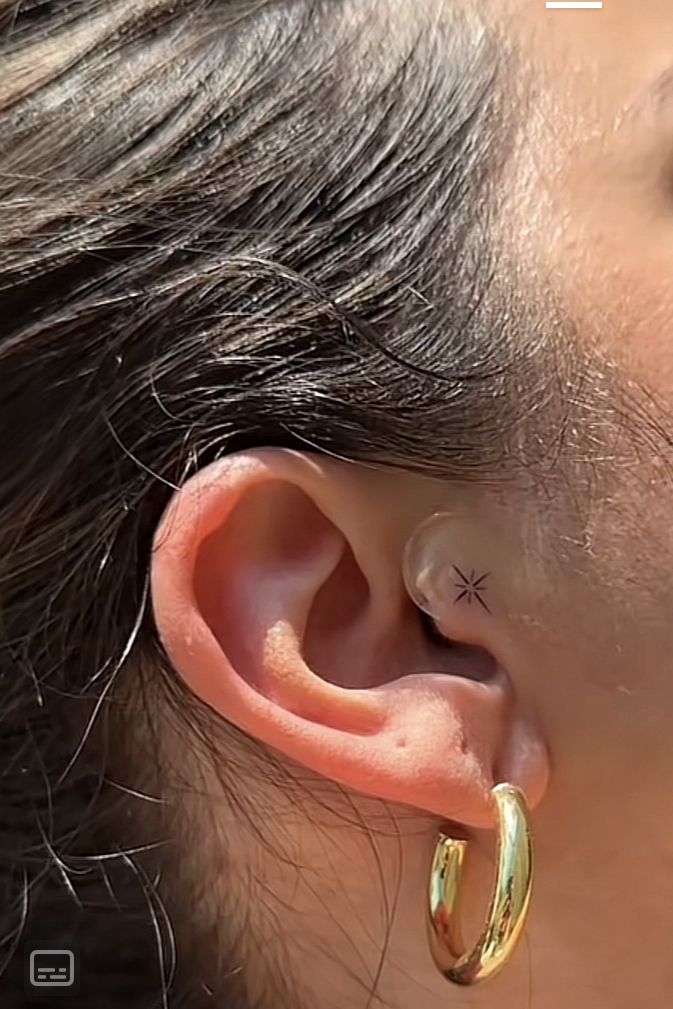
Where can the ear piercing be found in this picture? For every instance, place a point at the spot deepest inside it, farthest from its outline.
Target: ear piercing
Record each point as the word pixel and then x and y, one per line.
pixel 437 577
pixel 509 906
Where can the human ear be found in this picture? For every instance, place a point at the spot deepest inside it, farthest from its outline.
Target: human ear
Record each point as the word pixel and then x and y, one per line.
pixel 278 595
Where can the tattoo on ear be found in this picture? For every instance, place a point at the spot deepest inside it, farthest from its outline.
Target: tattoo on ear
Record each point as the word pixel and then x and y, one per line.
pixel 472 588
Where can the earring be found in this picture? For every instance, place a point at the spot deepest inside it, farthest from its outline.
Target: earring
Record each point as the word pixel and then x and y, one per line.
pixel 509 905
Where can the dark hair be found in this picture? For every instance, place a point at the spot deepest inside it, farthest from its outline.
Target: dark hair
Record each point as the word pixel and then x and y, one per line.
pixel 222 225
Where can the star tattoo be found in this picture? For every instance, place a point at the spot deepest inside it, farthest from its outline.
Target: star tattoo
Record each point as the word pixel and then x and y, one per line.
pixel 472 588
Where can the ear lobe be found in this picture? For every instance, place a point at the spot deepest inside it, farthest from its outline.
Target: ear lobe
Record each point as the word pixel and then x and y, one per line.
pixel 289 623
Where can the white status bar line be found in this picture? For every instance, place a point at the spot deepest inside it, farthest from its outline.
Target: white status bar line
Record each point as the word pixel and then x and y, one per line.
pixel 573 5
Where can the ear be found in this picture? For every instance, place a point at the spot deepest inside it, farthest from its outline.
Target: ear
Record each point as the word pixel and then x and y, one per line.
pixel 278 596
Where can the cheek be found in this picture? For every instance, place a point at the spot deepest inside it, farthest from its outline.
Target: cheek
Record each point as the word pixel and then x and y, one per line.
pixel 625 294
pixel 608 253
pixel 610 260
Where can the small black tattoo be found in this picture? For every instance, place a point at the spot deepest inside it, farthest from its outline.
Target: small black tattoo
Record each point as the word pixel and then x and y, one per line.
pixel 471 588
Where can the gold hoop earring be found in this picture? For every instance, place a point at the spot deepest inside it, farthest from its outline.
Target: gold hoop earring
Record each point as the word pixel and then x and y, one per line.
pixel 509 904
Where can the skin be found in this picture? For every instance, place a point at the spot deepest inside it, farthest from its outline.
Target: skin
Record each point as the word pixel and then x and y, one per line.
pixel 257 554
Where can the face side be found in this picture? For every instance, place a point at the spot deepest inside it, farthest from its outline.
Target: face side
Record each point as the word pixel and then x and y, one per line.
pixel 589 638
pixel 591 219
